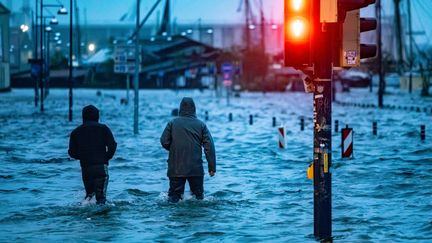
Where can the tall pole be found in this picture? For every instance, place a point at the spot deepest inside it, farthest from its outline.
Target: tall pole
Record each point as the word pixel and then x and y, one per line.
pixel 247 33
pixel 200 29
pixel 47 66
pixel 35 57
pixel 70 81
pixel 322 100
pixel 47 74
pixel 41 76
pixel 380 66
pixel 78 34
pixel 399 42
pixel 263 46
pixel 410 47
pixel 137 63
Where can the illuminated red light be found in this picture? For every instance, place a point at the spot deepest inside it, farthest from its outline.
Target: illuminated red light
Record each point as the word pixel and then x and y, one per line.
pixel 297 29
pixel 297 5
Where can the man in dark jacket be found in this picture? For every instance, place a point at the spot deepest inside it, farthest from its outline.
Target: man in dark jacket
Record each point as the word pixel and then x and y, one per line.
pixel 93 144
pixel 184 138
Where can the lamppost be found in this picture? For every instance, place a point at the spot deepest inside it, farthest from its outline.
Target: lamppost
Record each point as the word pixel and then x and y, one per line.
pixel 44 72
pixel 24 28
pixel 70 80
pixel 61 11
pixel 211 33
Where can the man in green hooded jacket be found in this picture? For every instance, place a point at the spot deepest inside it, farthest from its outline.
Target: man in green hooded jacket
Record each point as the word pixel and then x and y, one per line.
pixel 184 137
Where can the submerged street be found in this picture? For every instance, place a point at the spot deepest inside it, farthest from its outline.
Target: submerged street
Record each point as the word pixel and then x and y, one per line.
pixel 259 193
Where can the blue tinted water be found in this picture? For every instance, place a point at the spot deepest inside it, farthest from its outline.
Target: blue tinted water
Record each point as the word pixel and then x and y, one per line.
pixel 260 193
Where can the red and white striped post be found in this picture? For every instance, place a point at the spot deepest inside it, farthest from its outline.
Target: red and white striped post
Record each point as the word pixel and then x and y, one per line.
pixel 347 142
pixel 281 133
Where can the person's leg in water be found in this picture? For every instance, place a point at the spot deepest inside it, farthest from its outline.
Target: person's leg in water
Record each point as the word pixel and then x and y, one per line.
pixel 101 183
pixel 176 190
pixel 196 184
pixel 88 183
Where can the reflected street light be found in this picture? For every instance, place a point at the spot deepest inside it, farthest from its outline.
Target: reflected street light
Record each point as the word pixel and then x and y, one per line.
pixel 54 21
pixel 62 11
pixel 91 47
pixel 24 28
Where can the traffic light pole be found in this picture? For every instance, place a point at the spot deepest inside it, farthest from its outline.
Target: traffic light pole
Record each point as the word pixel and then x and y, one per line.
pixel 322 100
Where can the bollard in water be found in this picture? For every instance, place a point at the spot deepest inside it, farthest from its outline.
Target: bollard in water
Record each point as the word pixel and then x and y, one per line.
pixel 206 116
pixel 374 128
pixel 347 142
pixel 418 109
pixel 175 112
pixel 336 125
pixel 281 133
pixel 250 120
pixel 274 121
pixel 123 101
pixel 230 117
pixel 423 132
pixel 302 124
pixel 98 93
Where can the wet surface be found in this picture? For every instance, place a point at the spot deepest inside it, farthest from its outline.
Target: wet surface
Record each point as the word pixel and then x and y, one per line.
pixel 260 193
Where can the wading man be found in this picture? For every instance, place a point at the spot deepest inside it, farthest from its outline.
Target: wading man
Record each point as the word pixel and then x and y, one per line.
pixel 93 144
pixel 184 137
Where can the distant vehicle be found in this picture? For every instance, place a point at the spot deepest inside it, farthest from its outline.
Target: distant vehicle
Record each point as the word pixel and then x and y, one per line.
pixel 284 79
pixel 391 79
pixel 355 78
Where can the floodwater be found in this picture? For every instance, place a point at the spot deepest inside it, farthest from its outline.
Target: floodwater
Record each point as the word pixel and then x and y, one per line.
pixel 260 192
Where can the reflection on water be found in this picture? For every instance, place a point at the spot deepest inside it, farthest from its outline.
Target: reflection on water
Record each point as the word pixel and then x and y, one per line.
pixel 260 193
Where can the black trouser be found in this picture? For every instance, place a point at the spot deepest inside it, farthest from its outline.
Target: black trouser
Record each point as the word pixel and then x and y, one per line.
pixel 95 180
pixel 177 186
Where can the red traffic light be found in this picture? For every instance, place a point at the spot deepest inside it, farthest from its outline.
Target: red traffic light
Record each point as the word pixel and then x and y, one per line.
pixel 367 51
pixel 348 5
pixel 367 24
pixel 298 26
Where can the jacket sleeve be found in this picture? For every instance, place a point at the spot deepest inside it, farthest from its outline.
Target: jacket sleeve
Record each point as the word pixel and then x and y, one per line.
pixel 73 149
pixel 209 149
pixel 165 138
pixel 110 143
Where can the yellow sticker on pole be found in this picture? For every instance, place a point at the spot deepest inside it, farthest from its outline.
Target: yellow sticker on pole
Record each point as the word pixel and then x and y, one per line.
pixel 310 172
pixel 325 162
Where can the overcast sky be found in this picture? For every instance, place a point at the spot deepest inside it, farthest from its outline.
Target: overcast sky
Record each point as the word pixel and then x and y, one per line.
pixel 185 11
pixel 217 11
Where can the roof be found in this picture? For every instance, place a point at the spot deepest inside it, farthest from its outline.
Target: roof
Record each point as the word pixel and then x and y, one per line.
pixel 100 56
pixel 3 9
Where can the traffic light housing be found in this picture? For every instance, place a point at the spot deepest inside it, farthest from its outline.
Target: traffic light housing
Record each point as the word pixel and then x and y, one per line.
pixel 298 29
pixel 351 49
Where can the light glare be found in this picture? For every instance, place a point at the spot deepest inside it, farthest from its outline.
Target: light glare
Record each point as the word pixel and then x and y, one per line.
pixel 297 4
pixel 298 28
pixel 91 47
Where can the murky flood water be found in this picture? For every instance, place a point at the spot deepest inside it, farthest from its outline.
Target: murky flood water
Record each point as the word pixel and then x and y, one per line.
pixel 260 193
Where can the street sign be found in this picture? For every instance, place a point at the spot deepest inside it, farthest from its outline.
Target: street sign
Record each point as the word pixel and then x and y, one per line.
pixel 124 59
pixel 227 67
pixel 227 72
pixel 227 83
